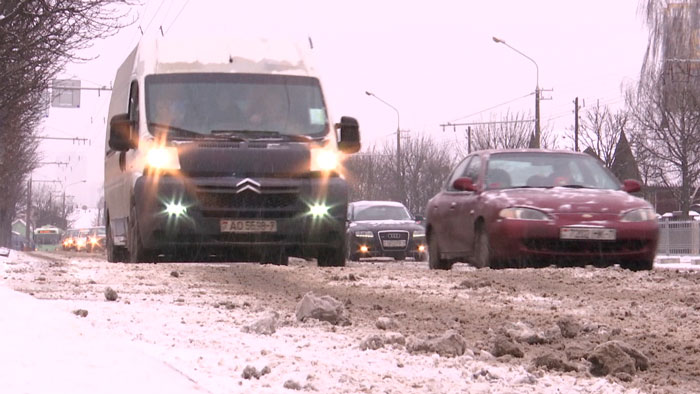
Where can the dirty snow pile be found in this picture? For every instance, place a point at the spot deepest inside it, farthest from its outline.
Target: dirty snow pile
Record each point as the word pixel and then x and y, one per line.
pixel 122 344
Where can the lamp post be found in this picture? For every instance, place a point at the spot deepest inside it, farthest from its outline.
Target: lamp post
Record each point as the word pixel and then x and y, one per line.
pixel 537 90
pixel 65 220
pixel 398 136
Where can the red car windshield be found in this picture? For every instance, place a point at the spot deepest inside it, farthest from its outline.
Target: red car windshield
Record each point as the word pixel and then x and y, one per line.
pixel 547 169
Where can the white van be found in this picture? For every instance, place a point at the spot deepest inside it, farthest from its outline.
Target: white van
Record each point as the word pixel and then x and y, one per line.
pixel 224 148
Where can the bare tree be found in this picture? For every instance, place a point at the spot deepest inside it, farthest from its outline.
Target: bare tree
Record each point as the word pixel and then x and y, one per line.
pixel 373 175
pixel 426 165
pixel 673 40
pixel 37 39
pixel 601 130
pixel 666 104
pixel 669 136
pixel 507 131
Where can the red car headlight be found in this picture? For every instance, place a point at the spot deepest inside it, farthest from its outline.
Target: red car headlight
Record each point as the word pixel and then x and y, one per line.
pixel 522 213
pixel 639 215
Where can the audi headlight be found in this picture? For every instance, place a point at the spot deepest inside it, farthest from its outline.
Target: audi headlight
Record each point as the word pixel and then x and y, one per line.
pixel 324 159
pixel 163 158
pixel 523 214
pixel 418 234
pixel 364 234
pixel 639 215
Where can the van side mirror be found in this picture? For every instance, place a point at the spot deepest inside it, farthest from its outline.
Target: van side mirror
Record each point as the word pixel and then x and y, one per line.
pixel 631 186
pixel 121 132
pixel 464 184
pixel 349 141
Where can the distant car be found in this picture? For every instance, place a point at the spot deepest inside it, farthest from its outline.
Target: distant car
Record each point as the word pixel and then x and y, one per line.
pixel 532 208
pixel 81 240
pixel 96 240
pixel 69 239
pixel 383 229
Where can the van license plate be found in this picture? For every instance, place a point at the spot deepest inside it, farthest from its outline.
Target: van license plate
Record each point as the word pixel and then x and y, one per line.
pixel 248 226
pixel 606 234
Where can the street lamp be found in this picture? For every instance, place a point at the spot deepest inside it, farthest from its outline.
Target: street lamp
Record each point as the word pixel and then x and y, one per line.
pixel 537 90
pixel 398 133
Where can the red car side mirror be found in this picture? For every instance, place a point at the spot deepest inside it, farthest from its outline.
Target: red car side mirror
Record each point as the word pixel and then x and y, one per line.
pixel 464 184
pixel 631 186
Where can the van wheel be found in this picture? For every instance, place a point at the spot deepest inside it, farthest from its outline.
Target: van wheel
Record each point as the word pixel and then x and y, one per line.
pixel 136 252
pixel 332 256
pixel 115 254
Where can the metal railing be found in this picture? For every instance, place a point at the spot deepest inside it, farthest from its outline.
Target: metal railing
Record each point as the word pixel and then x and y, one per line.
pixel 679 237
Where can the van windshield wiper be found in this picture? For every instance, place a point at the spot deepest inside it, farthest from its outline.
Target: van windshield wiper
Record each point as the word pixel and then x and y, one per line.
pixel 262 134
pixel 174 131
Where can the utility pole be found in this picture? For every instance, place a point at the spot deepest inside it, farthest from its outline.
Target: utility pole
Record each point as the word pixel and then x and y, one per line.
pixel 28 230
pixel 576 124
pixel 469 139
pixel 537 115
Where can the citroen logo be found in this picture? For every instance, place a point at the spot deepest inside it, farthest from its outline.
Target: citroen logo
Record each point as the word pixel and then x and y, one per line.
pixel 248 184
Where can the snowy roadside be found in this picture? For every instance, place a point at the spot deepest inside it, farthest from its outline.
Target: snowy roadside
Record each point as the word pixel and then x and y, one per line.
pixel 168 334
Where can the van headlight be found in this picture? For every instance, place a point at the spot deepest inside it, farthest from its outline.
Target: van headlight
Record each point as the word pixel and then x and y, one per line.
pixel 163 158
pixel 324 159
pixel 639 215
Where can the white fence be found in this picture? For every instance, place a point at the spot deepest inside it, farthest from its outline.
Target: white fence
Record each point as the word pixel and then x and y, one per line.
pixel 679 237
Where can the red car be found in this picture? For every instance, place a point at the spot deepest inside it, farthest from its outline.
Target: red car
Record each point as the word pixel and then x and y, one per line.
pixel 533 208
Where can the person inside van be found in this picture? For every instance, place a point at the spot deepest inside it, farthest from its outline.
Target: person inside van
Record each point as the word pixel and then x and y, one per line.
pixel 267 109
pixel 169 112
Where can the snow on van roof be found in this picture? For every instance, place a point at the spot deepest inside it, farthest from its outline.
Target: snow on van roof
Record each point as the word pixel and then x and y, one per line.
pixel 223 54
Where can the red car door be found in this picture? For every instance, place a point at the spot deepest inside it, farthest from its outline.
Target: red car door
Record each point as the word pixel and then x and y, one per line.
pixel 441 209
pixel 463 212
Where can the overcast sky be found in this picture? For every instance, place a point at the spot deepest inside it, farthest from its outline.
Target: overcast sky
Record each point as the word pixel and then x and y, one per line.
pixel 434 61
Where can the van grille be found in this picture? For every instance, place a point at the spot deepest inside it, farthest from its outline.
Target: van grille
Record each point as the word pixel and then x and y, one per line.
pixel 227 203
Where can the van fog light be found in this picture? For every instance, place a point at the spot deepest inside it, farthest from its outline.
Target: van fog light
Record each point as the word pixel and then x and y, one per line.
pixel 318 210
pixel 175 209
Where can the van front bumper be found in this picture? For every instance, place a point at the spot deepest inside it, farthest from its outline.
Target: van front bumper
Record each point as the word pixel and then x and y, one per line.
pixel 178 213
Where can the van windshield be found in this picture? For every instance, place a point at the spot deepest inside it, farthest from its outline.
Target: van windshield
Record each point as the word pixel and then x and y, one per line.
pixel 241 105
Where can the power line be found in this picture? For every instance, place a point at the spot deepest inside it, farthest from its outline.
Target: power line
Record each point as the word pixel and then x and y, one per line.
pixel 490 108
pixel 484 123
pixel 165 16
pixel 154 16
pixel 177 16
